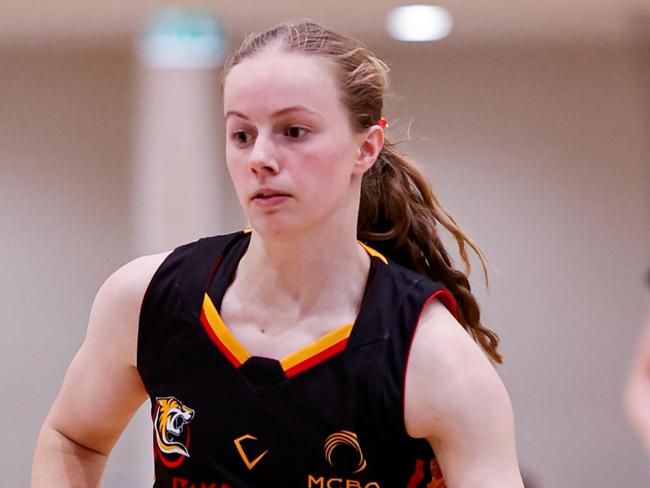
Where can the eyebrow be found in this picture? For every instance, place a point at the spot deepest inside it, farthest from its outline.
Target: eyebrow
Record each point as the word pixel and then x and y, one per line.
pixel 295 108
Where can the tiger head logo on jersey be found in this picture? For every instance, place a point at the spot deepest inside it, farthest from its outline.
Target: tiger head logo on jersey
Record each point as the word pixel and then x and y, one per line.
pixel 171 419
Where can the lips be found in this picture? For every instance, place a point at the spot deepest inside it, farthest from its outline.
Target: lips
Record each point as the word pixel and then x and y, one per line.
pixel 265 193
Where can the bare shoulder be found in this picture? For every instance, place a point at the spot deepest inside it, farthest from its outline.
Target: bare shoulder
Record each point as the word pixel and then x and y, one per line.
pixel 102 388
pixel 455 399
pixel 116 308
pixel 134 276
pixel 447 372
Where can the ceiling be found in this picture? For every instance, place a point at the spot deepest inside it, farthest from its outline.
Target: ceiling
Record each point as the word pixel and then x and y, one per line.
pixel 79 22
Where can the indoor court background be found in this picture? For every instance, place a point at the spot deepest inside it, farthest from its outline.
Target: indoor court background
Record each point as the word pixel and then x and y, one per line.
pixel 532 122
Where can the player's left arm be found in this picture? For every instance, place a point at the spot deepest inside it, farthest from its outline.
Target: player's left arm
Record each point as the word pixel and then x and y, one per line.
pixel 455 399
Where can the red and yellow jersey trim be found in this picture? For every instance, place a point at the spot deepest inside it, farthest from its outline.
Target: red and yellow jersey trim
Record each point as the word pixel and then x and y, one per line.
pixel 316 352
pixel 296 362
pixel 220 335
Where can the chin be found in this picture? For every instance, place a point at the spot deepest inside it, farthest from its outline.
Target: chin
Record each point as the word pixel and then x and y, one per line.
pixel 271 228
pixel 289 225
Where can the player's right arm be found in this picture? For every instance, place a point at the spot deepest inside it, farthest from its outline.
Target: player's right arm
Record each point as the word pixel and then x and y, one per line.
pixel 102 388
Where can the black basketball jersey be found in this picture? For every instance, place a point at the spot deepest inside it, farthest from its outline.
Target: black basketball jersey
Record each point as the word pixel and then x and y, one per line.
pixel 330 415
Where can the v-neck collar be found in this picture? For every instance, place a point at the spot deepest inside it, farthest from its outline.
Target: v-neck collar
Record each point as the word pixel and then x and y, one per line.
pixel 302 359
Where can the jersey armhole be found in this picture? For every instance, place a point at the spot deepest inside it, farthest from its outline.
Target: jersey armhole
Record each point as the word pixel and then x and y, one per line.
pixel 181 257
pixel 447 299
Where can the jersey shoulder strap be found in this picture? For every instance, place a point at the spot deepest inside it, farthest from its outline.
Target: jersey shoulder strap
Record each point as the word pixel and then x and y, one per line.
pixel 414 292
pixel 175 292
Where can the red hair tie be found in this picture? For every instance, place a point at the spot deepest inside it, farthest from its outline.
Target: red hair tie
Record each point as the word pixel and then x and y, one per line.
pixel 383 123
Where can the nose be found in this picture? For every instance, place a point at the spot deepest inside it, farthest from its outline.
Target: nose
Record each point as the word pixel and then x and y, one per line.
pixel 263 157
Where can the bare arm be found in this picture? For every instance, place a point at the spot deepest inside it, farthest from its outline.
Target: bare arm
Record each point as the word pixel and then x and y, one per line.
pixel 456 400
pixel 637 392
pixel 102 388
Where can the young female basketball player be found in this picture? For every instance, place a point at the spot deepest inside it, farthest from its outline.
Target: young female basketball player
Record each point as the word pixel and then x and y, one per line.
pixel 329 345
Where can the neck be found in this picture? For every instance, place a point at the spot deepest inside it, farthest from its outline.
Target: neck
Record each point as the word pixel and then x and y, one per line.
pixel 310 273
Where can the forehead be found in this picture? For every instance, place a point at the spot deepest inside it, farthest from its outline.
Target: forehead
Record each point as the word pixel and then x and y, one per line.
pixel 273 80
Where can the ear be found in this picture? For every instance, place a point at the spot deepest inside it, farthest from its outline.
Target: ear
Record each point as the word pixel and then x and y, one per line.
pixel 370 143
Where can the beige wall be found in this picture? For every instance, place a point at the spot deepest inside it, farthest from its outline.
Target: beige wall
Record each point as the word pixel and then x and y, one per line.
pixel 538 152
pixel 64 156
pixel 541 155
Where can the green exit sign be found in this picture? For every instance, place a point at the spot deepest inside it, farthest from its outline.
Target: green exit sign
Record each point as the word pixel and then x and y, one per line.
pixel 177 37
